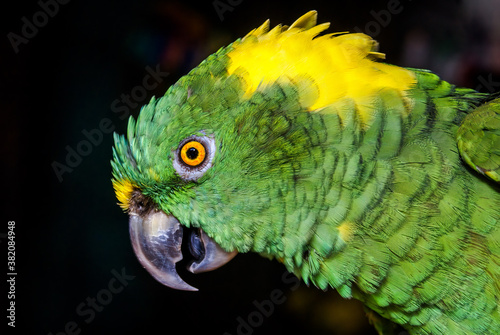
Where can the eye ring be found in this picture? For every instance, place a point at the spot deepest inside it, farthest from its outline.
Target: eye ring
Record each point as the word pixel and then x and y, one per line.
pixel 193 157
pixel 193 153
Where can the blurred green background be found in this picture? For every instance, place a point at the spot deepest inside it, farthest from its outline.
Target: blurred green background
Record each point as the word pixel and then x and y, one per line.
pixel 72 238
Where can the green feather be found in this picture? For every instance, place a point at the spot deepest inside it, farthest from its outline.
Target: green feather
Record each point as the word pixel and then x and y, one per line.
pixel 386 212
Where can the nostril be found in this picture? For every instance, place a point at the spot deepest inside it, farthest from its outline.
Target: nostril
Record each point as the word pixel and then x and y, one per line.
pixel 141 204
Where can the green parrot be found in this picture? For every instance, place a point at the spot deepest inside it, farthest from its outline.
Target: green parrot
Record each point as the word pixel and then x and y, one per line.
pixel 375 180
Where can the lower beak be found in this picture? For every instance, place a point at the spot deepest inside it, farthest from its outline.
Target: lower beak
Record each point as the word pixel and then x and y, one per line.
pixel 157 239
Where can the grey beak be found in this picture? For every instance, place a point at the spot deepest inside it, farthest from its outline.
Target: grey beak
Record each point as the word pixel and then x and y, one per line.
pixel 213 255
pixel 157 239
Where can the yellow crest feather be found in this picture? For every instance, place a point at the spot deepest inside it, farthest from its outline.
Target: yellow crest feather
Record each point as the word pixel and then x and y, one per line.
pixel 332 67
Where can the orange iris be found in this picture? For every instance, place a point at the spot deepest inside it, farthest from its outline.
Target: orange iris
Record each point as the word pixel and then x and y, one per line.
pixel 193 153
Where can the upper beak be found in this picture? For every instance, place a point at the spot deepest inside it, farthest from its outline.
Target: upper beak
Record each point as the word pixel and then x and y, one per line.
pixel 157 239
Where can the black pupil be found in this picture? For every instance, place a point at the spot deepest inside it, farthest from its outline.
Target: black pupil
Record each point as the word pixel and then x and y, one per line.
pixel 192 153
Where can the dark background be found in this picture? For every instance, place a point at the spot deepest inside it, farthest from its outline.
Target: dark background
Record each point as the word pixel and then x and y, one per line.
pixel 71 236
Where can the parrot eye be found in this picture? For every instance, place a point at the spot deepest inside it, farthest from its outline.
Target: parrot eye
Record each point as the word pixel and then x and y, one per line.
pixel 193 153
pixel 194 157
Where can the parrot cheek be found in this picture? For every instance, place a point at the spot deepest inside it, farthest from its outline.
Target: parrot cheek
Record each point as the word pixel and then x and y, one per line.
pixel 157 240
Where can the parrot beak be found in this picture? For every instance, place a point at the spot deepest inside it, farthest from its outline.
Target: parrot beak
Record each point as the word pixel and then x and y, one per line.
pixel 207 253
pixel 157 240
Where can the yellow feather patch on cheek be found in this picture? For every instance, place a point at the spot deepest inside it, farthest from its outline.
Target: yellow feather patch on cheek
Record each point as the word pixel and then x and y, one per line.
pixel 346 231
pixel 123 191
pixel 325 69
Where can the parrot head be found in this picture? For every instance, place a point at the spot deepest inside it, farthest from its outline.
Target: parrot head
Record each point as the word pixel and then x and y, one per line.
pixel 234 156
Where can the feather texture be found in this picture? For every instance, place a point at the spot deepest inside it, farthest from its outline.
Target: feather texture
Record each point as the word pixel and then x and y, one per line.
pixel 344 168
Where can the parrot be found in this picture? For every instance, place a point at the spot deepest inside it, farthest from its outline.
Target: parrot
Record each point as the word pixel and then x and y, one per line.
pixel 378 181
